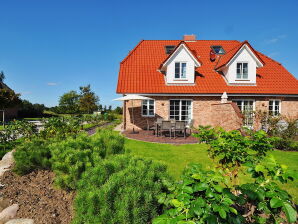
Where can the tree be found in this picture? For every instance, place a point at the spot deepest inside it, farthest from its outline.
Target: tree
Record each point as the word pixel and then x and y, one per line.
pixel 118 110
pixel 8 98
pixel 110 108
pixel 69 102
pixel 2 76
pixel 88 101
pixel 27 109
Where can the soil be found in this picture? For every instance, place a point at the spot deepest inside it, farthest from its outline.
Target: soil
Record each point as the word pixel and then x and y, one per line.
pixel 37 197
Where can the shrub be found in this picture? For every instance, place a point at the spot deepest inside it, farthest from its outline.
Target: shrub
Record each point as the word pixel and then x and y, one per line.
pixel 206 134
pixel 284 144
pixel 120 190
pixel 32 155
pixel 70 158
pixel 201 197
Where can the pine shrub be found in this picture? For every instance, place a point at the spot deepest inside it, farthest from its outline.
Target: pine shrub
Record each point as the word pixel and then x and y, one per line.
pixel 32 155
pixel 120 190
pixel 70 158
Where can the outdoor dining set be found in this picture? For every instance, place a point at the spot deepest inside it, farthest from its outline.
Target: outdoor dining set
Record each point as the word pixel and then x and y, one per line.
pixel 172 127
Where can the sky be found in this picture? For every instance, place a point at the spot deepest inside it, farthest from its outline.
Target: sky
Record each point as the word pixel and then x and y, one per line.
pixel 49 47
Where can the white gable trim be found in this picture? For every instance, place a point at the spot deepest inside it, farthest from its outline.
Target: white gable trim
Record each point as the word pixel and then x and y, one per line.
pixel 252 54
pixel 197 63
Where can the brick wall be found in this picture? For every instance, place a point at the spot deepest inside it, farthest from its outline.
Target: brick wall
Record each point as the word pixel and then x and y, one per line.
pixel 206 111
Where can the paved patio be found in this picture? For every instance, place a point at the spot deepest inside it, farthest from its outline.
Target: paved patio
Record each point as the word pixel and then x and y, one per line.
pixel 148 136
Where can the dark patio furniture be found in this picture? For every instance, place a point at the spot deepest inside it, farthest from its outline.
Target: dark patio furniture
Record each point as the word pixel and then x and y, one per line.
pixel 166 126
pixel 158 125
pixel 180 126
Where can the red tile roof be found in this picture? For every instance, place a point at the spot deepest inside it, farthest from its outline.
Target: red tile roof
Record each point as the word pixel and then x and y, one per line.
pixel 139 71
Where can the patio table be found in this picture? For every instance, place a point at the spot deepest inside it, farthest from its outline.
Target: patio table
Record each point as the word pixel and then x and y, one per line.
pixel 158 125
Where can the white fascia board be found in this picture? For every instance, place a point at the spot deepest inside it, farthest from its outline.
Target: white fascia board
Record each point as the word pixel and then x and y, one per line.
pixel 259 63
pixel 215 94
pixel 197 63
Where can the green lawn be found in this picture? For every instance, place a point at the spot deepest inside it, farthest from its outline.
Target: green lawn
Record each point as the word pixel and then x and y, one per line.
pixel 177 157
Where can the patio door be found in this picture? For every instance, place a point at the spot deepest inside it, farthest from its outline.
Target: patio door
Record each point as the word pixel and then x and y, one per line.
pixel 247 109
pixel 181 110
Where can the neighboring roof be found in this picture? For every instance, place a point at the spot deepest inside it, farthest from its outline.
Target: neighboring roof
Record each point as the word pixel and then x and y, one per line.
pixel 139 72
pixel 191 53
pixel 226 58
pixel 4 86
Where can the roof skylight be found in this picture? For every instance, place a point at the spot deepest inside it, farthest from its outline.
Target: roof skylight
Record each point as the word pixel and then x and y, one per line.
pixel 169 48
pixel 218 49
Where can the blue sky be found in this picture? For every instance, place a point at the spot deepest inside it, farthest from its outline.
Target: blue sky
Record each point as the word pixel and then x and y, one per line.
pixel 49 47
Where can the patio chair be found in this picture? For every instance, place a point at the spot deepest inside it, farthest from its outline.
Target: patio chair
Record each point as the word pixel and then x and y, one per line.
pixel 151 127
pixel 166 126
pixel 180 127
pixel 158 125
pixel 189 125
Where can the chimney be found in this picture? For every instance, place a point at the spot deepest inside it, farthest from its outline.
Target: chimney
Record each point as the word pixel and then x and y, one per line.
pixel 224 98
pixel 191 37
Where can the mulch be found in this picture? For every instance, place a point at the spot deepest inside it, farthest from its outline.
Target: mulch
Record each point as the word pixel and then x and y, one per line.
pixel 37 197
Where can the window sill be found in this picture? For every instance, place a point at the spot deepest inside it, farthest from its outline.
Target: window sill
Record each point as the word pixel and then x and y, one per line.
pixel 242 80
pixel 148 115
pixel 184 80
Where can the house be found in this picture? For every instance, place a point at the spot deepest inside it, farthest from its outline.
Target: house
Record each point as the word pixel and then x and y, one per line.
pixel 208 81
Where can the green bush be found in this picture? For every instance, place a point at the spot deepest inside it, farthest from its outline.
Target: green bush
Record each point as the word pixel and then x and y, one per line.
pixel 120 190
pixel 32 155
pixel 203 196
pixel 71 157
pixel 285 144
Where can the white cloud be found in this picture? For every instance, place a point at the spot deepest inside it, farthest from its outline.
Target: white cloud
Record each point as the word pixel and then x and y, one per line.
pixel 276 39
pixel 273 54
pixel 52 84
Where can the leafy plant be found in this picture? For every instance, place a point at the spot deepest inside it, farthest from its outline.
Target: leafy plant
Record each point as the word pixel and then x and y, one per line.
pixel 201 197
pixel 121 189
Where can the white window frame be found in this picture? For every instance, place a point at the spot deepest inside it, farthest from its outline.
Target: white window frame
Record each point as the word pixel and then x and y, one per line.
pixel 180 69
pixel 148 104
pixel 180 107
pixel 279 108
pixel 241 75
pixel 242 106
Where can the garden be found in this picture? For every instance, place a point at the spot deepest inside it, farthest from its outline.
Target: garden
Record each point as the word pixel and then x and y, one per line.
pixel 230 177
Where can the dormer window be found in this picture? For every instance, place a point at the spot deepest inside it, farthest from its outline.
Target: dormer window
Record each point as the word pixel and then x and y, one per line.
pixel 242 70
pixel 180 70
pixel 218 49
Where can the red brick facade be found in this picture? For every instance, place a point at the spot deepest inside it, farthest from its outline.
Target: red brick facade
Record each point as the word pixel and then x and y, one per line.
pixel 207 110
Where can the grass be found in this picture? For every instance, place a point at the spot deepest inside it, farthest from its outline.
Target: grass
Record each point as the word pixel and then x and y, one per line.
pixel 176 157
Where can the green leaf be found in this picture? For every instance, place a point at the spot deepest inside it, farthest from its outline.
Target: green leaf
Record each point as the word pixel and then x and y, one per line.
pixel 291 213
pixel 222 213
pixel 200 202
pixel 233 210
pixel 275 203
pixel 201 186
pixel 260 168
pixel 187 189
pixel 218 188
pixel 177 203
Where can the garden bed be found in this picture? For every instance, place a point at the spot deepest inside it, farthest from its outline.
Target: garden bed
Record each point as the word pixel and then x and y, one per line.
pixel 37 197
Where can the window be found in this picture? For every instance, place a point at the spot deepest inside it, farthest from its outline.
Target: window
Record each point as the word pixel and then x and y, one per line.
pixel 242 70
pixel 148 108
pixel 247 109
pixel 181 110
pixel 274 107
pixel 169 48
pixel 180 70
pixel 218 49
